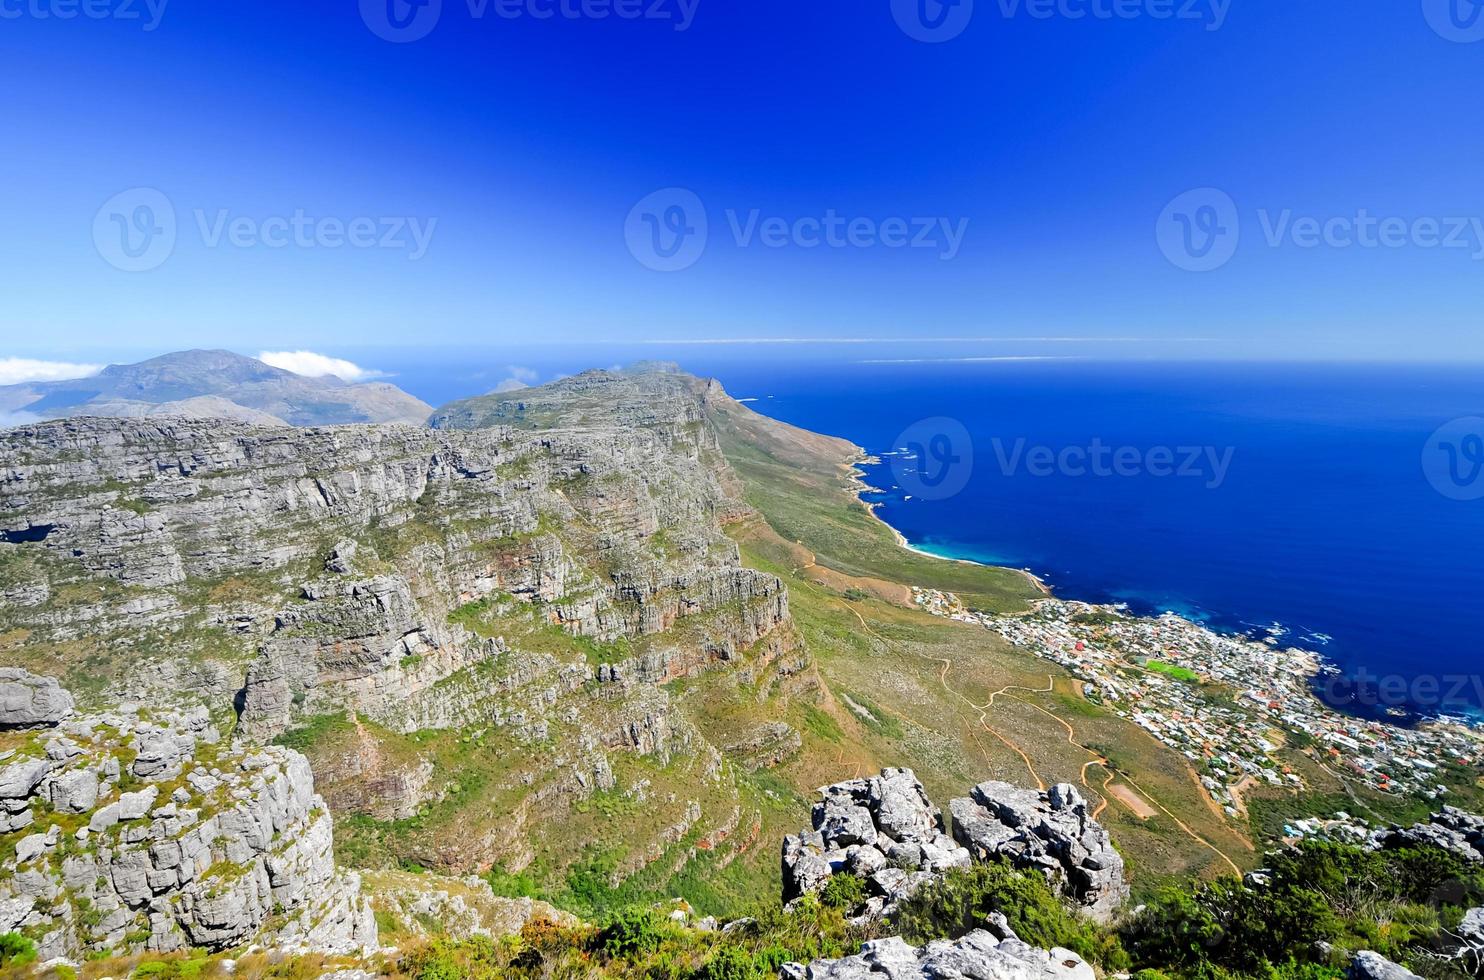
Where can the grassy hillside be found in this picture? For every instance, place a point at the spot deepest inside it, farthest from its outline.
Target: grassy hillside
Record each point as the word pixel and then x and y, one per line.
pixel 801 482
pixel 956 703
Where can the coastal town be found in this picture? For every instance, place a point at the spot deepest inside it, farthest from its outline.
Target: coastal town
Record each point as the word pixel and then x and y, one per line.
pixel 1228 703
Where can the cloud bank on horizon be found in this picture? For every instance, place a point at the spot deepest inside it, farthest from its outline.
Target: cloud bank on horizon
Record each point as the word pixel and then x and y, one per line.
pixel 25 370
pixel 313 365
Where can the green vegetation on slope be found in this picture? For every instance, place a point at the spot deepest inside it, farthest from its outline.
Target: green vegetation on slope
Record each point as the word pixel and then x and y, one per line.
pixel 799 482
pixel 1322 904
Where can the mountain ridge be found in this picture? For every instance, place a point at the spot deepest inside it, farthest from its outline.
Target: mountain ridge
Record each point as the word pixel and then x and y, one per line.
pixel 213 384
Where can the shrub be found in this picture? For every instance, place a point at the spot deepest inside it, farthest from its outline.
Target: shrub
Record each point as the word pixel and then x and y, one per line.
pixel 843 891
pixel 446 959
pixel 1394 902
pixel 633 932
pixel 733 963
pixel 16 950
pixel 962 899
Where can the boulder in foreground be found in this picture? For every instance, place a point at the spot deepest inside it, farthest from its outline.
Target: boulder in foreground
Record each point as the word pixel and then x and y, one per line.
pixel 1050 831
pixel 30 701
pixel 884 829
pixel 977 955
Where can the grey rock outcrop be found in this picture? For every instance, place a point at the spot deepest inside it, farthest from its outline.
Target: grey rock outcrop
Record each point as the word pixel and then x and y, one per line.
pixel 215 849
pixel 1049 831
pixel 1451 829
pixel 976 956
pixel 30 701
pixel 884 829
pixel 1472 928
pixel 1368 965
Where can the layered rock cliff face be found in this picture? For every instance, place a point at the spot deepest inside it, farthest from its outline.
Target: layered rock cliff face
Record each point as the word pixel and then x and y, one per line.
pixel 526 588
pixel 136 830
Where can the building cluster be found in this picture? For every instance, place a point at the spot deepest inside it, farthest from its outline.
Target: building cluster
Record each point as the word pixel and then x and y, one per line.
pixel 1228 703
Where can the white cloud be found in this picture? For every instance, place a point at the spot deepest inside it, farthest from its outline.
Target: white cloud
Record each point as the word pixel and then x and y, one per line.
pixel 312 365
pixel 20 370
pixel 519 377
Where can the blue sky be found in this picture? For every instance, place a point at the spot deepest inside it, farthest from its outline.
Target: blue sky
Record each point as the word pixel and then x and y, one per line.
pixel 492 169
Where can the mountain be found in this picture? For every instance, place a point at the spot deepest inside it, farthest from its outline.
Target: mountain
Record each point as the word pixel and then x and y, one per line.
pixel 605 634
pixel 213 384
pixel 573 650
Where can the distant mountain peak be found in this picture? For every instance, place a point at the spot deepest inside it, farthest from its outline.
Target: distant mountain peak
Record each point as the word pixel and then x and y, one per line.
pixel 210 382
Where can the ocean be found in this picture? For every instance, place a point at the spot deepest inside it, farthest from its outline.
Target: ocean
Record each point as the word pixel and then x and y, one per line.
pixel 1318 505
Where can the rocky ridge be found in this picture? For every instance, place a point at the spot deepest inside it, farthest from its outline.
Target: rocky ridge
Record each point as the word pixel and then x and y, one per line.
pixel 523 588
pixel 137 830
pixel 212 384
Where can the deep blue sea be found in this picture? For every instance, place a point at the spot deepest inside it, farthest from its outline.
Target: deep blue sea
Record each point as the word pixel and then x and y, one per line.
pixel 1304 502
